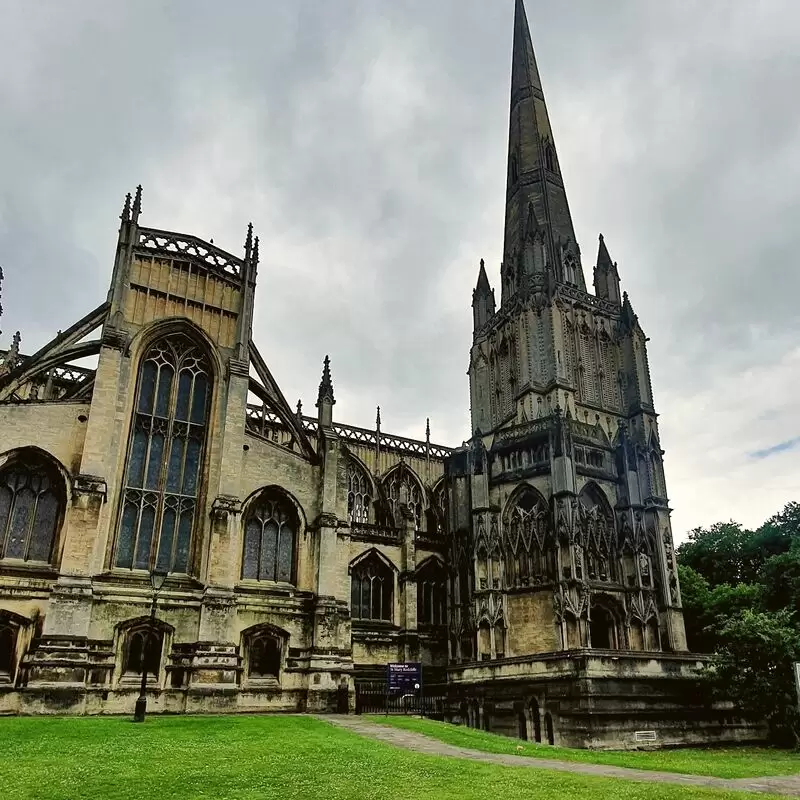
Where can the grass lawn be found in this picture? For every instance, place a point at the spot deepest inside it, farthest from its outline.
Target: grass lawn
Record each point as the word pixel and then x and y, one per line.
pixel 233 758
pixel 728 762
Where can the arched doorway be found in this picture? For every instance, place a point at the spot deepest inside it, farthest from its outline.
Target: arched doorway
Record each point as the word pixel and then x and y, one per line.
pixel 536 719
pixel 548 727
pixel 522 724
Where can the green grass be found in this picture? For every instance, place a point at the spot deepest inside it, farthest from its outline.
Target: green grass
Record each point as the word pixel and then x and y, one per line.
pixel 244 758
pixel 728 762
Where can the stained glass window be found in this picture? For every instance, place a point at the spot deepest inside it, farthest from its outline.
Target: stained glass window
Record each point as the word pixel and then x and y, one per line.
pixel 269 539
pixel 371 590
pixel 165 458
pixel 31 503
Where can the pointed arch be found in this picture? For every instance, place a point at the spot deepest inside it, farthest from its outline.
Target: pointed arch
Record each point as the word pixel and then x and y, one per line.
pixel 372 581
pixel 431 578
pixel 34 488
pixel 15 633
pixel 437 516
pixel 142 643
pixel 273 521
pixel 402 478
pixel 165 465
pixel 264 648
pixel 361 491
pixel 597 533
pixel 529 558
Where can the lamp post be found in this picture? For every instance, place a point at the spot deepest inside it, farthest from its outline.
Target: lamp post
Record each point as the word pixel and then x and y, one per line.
pixel 157 578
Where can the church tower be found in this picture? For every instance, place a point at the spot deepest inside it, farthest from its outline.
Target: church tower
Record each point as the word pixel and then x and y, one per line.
pixel 559 515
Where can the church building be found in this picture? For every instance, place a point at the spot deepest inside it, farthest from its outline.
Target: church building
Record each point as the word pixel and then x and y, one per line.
pixel 288 557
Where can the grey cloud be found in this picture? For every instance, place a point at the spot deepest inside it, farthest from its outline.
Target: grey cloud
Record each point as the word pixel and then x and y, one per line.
pixel 367 141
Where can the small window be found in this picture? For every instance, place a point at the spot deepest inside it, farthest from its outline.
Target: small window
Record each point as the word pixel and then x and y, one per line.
pixel 8 641
pixel 514 168
pixel 264 657
pixel 432 595
pixel 549 159
pixel 359 494
pixel 143 651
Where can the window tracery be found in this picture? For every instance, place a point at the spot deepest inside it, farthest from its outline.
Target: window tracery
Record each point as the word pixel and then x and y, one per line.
pixel 528 555
pixel 359 493
pixel 165 457
pixel 589 364
pixel 143 647
pixel 432 594
pixel 31 507
pixel 400 481
pixel 371 590
pixel 270 531
pixel 597 533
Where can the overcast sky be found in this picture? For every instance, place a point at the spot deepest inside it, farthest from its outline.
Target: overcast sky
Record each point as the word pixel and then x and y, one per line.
pixel 366 141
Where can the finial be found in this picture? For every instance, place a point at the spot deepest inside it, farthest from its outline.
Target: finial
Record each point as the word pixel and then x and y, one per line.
pixel 125 216
pixel 255 251
pixel 248 242
pixel 601 237
pixel 482 263
pixel 326 385
pixel 137 205
pixel 299 411
pixel 428 430
pixel 378 418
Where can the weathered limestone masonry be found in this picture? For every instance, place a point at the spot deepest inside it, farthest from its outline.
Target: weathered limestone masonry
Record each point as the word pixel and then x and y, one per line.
pixel 533 567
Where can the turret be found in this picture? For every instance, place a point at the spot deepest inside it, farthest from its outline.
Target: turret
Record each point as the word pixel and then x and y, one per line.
pixel 606 275
pixel 483 305
pixel 325 399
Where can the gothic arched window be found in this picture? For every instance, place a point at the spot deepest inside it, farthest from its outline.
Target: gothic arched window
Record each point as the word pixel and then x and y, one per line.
pixel 143 646
pixel 165 457
pixel 270 530
pixel 597 521
pixel 398 481
pixel 432 594
pixel 264 657
pixel 359 493
pixel 31 505
pixel 528 557
pixel 371 590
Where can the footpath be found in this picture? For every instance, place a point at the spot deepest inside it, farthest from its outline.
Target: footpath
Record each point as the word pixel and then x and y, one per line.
pixel 786 785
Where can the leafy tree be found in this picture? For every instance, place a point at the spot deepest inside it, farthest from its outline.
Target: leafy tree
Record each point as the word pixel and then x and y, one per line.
pixel 696 599
pixel 781 580
pixel 753 667
pixel 721 553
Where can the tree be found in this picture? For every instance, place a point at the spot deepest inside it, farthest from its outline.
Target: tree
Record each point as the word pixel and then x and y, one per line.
pixel 781 580
pixel 721 553
pixel 696 600
pixel 752 666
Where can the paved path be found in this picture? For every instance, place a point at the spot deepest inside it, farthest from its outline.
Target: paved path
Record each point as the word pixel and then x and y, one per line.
pixel 788 786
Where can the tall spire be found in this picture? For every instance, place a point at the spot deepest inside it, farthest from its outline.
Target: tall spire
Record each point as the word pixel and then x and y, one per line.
pixel 535 189
pixel 606 276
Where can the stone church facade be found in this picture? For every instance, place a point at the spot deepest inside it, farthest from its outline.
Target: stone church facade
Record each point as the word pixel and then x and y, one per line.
pixel 531 571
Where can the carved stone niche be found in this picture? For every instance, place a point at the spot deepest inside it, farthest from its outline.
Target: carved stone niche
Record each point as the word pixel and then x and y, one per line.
pixel 89 490
pixel 223 506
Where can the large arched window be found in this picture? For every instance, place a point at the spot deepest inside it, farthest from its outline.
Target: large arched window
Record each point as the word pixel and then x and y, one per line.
pixel 31 506
pixel 432 593
pixel 528 555
pixel 165 457
pixel 597 520
pixel 399 480
pixel 359 493
pixel 270 530
pixel 371 590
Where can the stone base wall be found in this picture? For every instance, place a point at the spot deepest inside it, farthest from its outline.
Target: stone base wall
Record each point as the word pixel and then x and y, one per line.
pixel 619 701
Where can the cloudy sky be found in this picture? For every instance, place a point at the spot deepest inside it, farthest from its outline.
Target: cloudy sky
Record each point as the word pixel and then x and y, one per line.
pixel 366 141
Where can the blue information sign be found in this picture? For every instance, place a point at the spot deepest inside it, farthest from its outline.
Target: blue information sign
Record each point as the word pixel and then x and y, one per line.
pixel 404 677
